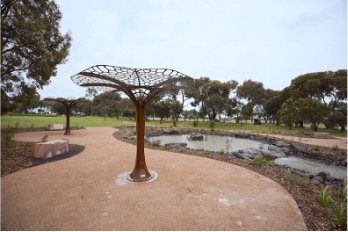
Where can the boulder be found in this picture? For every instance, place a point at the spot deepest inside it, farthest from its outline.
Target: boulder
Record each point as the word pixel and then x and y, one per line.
pixel 196 137
pixel 169 131
pixel 242 135
pixel 248 153
pixel 299 147
pixel 272 154
pixel 176 145
pixel 281 144
pixel 281 150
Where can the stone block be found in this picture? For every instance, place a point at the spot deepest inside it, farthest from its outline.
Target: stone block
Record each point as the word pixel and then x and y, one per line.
pixel 52 148
pixel 55 127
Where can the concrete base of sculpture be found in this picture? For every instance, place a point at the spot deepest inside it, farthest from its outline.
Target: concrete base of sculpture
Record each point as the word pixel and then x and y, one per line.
pixel 55 127
pixel 49 149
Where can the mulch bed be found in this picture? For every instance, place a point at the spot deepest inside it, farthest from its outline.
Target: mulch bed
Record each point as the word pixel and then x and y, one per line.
pixel 20 155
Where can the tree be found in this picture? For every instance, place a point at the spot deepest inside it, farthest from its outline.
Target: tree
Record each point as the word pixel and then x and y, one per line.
pixel 312 110
pixel 31 48
pixel 271 107
pixel 246 112
pixel 252 91
pixel 162 109
pixel 106 104
pixel 288 112
pixel 328 88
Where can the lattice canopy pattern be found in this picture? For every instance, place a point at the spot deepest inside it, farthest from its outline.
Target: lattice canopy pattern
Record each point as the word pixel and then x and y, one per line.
pixel 138 84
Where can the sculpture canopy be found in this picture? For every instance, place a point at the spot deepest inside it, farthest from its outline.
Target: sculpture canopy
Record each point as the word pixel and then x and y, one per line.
pixel 141 86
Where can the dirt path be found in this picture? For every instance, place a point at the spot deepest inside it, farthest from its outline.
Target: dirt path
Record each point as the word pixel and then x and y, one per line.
pixel 86 192
pixel 340 142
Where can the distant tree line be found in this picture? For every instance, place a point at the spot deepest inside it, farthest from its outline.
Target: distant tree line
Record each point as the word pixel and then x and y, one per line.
pixel 314 98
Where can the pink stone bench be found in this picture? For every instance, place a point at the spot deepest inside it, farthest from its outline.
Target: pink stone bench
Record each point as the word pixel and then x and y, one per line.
pixel 52 148
pixel 55 127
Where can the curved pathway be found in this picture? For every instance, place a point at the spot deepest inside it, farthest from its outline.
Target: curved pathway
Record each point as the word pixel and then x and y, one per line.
pixel 86 192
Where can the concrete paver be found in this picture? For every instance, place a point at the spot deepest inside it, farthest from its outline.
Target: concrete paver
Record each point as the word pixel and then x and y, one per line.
pixel 86 192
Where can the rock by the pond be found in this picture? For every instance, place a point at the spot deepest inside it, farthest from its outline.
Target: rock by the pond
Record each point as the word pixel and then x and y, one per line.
pixel 196 137
pixel 281 150
pixel 242 135
pixel 299 147
pixel 176 145
pixel 281 144
pixel 272 154
pixel 171 131
pixel 248 153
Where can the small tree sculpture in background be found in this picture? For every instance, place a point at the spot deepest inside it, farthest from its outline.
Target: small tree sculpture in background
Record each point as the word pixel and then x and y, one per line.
pixel 68 104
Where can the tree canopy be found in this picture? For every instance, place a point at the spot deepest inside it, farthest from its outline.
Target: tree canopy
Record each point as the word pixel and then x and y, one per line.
pixel 31 48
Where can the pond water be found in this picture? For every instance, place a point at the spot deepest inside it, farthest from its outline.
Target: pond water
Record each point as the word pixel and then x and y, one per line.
pixel 212 142
pixel 230 144
pixel 313 167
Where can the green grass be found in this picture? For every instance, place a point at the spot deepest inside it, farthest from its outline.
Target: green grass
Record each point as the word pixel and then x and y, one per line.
pixel 93 121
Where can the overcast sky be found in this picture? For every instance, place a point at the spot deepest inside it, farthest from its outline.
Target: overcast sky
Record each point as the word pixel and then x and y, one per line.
pixel 270 41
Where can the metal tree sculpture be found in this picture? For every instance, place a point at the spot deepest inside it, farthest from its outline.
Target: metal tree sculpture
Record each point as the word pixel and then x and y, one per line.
pixel 68 104
pixel 141 86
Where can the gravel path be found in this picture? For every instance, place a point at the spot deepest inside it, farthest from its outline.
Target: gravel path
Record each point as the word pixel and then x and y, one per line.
pixel 86 192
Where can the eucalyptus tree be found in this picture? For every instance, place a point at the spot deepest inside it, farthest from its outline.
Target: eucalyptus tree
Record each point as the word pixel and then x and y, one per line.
pixel 31 48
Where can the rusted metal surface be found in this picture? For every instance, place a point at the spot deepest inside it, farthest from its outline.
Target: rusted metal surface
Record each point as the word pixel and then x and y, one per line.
pixel 141 86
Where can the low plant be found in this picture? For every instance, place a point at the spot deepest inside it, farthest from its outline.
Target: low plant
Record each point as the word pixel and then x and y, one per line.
pixel 324 196
pixel 338 212
pixel 222 151
pixel 156 143
pixel 195 123
pixel 271 163
pixel 289 176
pixel 344 188
pixel 261 146
pixel 316 148
pixel 257 161
pixel 44 138
pixel 175 122
pixel 335 148
pixel 212 124
pixel 7 138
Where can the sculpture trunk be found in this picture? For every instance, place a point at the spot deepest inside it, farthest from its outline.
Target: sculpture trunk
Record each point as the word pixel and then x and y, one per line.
pixel 67 128
pixel 140 171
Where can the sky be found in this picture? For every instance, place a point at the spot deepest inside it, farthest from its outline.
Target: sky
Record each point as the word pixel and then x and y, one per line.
pixel 269 41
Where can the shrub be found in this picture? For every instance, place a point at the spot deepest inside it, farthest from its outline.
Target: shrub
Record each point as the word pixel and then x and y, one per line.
pixel 212 124
pixel 222 151
pixel 344 188
pixel 289 176
pixel 156 143
pixel 45 138
pixel 195 123
pixel 271 163
pixel 257 161
pixel 7 137
pixel 338 212
pixel 324 196
pixel 175 122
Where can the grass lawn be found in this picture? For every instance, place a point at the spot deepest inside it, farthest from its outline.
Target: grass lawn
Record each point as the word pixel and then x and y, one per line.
pixel 93 121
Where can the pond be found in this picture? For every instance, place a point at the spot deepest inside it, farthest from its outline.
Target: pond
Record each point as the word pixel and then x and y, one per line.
pixel 312 166
pixel 218 143
pixel 212 142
